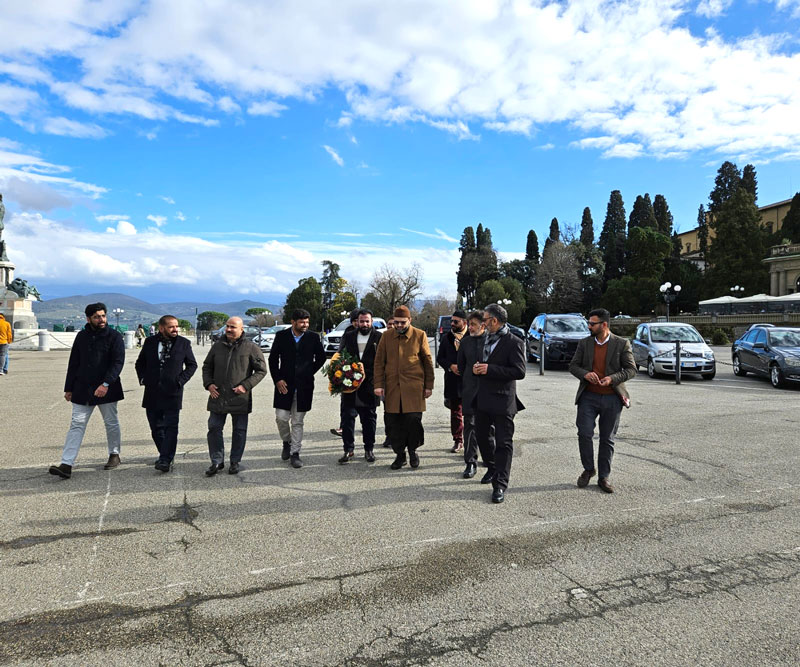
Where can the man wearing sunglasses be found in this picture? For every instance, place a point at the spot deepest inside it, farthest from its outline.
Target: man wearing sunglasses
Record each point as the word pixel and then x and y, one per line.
pixel 603 362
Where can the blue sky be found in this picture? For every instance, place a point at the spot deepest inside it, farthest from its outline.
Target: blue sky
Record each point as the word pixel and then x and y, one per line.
pixel 177 150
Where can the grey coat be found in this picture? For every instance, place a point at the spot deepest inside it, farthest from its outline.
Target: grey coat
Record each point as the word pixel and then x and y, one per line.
pixel 228 365
pixel 619 363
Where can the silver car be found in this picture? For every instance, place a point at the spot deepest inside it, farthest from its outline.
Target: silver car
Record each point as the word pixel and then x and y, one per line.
pixel 654 348
pixel 267 336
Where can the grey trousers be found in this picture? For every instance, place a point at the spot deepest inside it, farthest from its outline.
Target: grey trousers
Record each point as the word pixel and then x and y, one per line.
pixel 608 408
pixel 290 426
pixel 77 429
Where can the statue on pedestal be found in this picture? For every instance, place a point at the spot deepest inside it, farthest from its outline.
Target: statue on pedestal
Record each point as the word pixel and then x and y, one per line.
pixel 3 255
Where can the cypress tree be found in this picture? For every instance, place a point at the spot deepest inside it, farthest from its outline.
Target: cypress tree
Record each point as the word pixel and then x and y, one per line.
pixel 749 181
pixel 642 214
pixel 726 183
pixel 553 237
pixel 532 248
pixel 663 215
pixel 702 231
pixel 587 228
pixel 612 238
pixel 791 223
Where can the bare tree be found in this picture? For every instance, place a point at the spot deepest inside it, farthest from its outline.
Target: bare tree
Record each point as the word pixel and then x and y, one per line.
pixel 391 288
pixel 427 317
pixel 558 283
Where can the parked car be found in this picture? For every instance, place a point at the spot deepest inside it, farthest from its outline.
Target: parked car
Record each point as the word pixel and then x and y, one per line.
pixel 331 340
pixel 561 333
pixel 267 336
pixel 621 317
pixel 443 326
pixel 249 332
pixel 519 332
pixel 654 348
pixel 760 324
pixel 770 351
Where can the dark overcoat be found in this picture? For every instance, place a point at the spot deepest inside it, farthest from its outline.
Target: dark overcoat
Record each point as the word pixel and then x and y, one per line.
pixel 228 365
pixel 497 390
pixel 468 354
pixel 364 396
pixel 445 357
pixel 97 356
pixel 163 387
pixel 295 364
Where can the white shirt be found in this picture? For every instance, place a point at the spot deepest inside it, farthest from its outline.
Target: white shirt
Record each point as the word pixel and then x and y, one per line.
pixel 361 341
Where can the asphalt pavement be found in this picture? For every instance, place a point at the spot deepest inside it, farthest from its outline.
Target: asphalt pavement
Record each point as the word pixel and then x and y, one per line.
pixel 693 561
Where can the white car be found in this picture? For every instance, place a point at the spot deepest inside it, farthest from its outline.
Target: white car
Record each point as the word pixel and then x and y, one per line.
pixel 332 339
pixel 654 348
pixel 267 336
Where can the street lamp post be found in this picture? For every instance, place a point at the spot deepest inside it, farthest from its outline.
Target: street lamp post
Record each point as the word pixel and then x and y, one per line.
pixel 670 293
pixel 117 312
pixel 736 291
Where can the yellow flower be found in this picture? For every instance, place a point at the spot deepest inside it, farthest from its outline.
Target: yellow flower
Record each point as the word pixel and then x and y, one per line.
pixel 338 374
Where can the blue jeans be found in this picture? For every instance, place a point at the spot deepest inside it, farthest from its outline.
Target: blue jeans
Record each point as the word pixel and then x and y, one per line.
pixel 3 357
pixel 608 408
pixel 77 428
pixel 216 444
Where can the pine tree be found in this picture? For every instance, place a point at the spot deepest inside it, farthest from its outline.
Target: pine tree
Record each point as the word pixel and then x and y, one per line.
pixel 587 228
pixel 727 182
pixel 749 181
pixel 612 238
pixel 532 248
pixel 642 214
pixel 663 215
pixel 791 223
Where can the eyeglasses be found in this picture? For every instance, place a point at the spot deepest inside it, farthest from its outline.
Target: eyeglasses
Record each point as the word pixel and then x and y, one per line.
pixel 486 319
pixel 591 324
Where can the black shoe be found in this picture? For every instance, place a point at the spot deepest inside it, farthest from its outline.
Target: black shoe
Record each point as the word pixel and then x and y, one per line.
pixel 413 458
pixel 585 476
pixel 285 454
pixel 346 458
pixel 498 495
pixel 369 456
pixel 337 432
pixel 386 443
pixel 214 468
pixel 233 468
pixel 163 466
pixel 62 470
pixel 296 462
pixel 399 462
pixel 488 477
pixel 470 470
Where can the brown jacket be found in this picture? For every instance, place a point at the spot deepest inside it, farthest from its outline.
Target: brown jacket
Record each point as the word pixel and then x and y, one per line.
pixel 619 363
pixel 404 369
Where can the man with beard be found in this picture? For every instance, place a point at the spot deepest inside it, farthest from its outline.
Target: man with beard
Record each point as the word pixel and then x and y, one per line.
pixel 165 364
pixel 469 353
pixel 95 362
pixel 361 343
pixel 233 366
pixel 447 358
pixel 502 363
pixel 296 355
pixel 404 375
pixel 350 327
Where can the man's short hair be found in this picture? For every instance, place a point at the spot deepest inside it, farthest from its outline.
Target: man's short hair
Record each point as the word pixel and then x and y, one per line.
pixel 476 315
pixel 162 321
pixel 354 315
pixel 300 314
pixel 497 311
pixel 364 311
pixel 601 314
pixel 92 308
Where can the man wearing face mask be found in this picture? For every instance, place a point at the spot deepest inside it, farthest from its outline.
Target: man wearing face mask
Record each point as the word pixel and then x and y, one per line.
pixel 361 342
pixel 404 376
pixel 447 358
pixel 164 365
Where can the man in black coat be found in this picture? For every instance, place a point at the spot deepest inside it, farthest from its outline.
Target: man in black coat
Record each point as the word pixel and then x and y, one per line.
pixel 164 365
pixel 296 355
pixel 95 362
pixel 447 358
pixel 361 343
pixel 502 364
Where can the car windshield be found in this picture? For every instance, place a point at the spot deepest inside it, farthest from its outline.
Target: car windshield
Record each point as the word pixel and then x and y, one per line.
pixel 784 338
pixel 275 329
pixel 342 325
pixel 566 325
pixel 684 334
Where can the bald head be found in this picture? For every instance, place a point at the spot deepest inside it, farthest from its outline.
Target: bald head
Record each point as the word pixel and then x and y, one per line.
pixel 234 328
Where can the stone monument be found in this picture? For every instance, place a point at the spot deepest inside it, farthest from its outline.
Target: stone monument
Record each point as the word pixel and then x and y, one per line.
pixel 16 296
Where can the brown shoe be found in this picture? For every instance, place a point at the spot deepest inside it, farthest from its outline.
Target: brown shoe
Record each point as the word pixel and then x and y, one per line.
pixel 586 475
pixel 604 484
pixel 113 462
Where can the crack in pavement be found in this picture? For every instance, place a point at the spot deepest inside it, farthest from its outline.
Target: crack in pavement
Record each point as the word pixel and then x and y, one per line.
pixel 185 513
pixel 33 540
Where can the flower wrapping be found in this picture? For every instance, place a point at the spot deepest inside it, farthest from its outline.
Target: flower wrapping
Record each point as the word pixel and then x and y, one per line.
pixel 345 373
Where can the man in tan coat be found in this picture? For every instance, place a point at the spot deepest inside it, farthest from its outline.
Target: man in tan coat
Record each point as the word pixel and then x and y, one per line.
pixel 404 378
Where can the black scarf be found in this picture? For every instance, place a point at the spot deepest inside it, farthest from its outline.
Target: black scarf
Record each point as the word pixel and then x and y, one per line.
pixel 166 350
pixel 491 339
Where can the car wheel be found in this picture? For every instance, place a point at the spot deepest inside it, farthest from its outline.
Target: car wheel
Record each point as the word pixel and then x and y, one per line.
pixel 651 368
pixel 737 367
pixel 776 376
pixel 709 376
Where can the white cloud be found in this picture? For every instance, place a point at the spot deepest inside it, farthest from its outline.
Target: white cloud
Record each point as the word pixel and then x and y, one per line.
pixel 72 128
pixel 167 199
pixel 519 126
pixel 111 218
pixel 713 8
pixel 180 216
pixel 228 105
pixel 334 156
pixel 266 109
pixel 438 235
pixel 123 228
pixel 159 220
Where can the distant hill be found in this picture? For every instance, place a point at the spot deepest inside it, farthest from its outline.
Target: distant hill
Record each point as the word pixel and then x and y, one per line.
pixel 69 309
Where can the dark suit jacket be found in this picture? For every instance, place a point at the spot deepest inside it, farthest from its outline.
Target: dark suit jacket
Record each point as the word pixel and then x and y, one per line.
pixel 445 357
pixel 468 354
pixel 163 387
pixel 97 356
pixel 295 365
pixel 619 363
pixel 497 390
pixel 364 396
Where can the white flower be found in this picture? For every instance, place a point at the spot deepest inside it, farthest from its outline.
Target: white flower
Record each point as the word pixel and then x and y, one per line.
pixel 357 376
pixel 347 383
pixel 346 368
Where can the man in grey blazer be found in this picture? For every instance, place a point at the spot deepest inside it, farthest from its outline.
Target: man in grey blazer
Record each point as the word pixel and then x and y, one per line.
pixel 602 362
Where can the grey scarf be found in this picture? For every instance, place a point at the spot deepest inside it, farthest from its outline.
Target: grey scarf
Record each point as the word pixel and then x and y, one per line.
pixel 491 339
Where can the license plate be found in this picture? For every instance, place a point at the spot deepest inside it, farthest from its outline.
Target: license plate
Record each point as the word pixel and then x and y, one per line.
pixel 688 364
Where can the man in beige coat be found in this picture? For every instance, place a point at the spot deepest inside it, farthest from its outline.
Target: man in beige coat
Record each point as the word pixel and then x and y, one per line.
pixel 404 378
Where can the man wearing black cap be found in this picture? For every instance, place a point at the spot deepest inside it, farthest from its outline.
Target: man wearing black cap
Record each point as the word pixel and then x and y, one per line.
pixel 447 358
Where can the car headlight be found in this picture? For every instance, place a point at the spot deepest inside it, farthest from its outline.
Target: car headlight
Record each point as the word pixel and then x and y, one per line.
pixel 708 355
pixel 666 354
pixel 792 361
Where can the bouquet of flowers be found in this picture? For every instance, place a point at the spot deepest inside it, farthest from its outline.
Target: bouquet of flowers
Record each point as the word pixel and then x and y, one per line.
pixel 345 373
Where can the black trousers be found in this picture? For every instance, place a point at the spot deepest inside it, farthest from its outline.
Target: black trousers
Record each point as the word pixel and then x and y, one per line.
pixel 216 444
pixel 164 429
pixel 471 443
pixel 502 451
pixel 369 422
pixel 405 430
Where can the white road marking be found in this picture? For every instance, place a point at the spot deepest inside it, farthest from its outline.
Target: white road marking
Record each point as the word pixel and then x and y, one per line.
pixel 96 543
